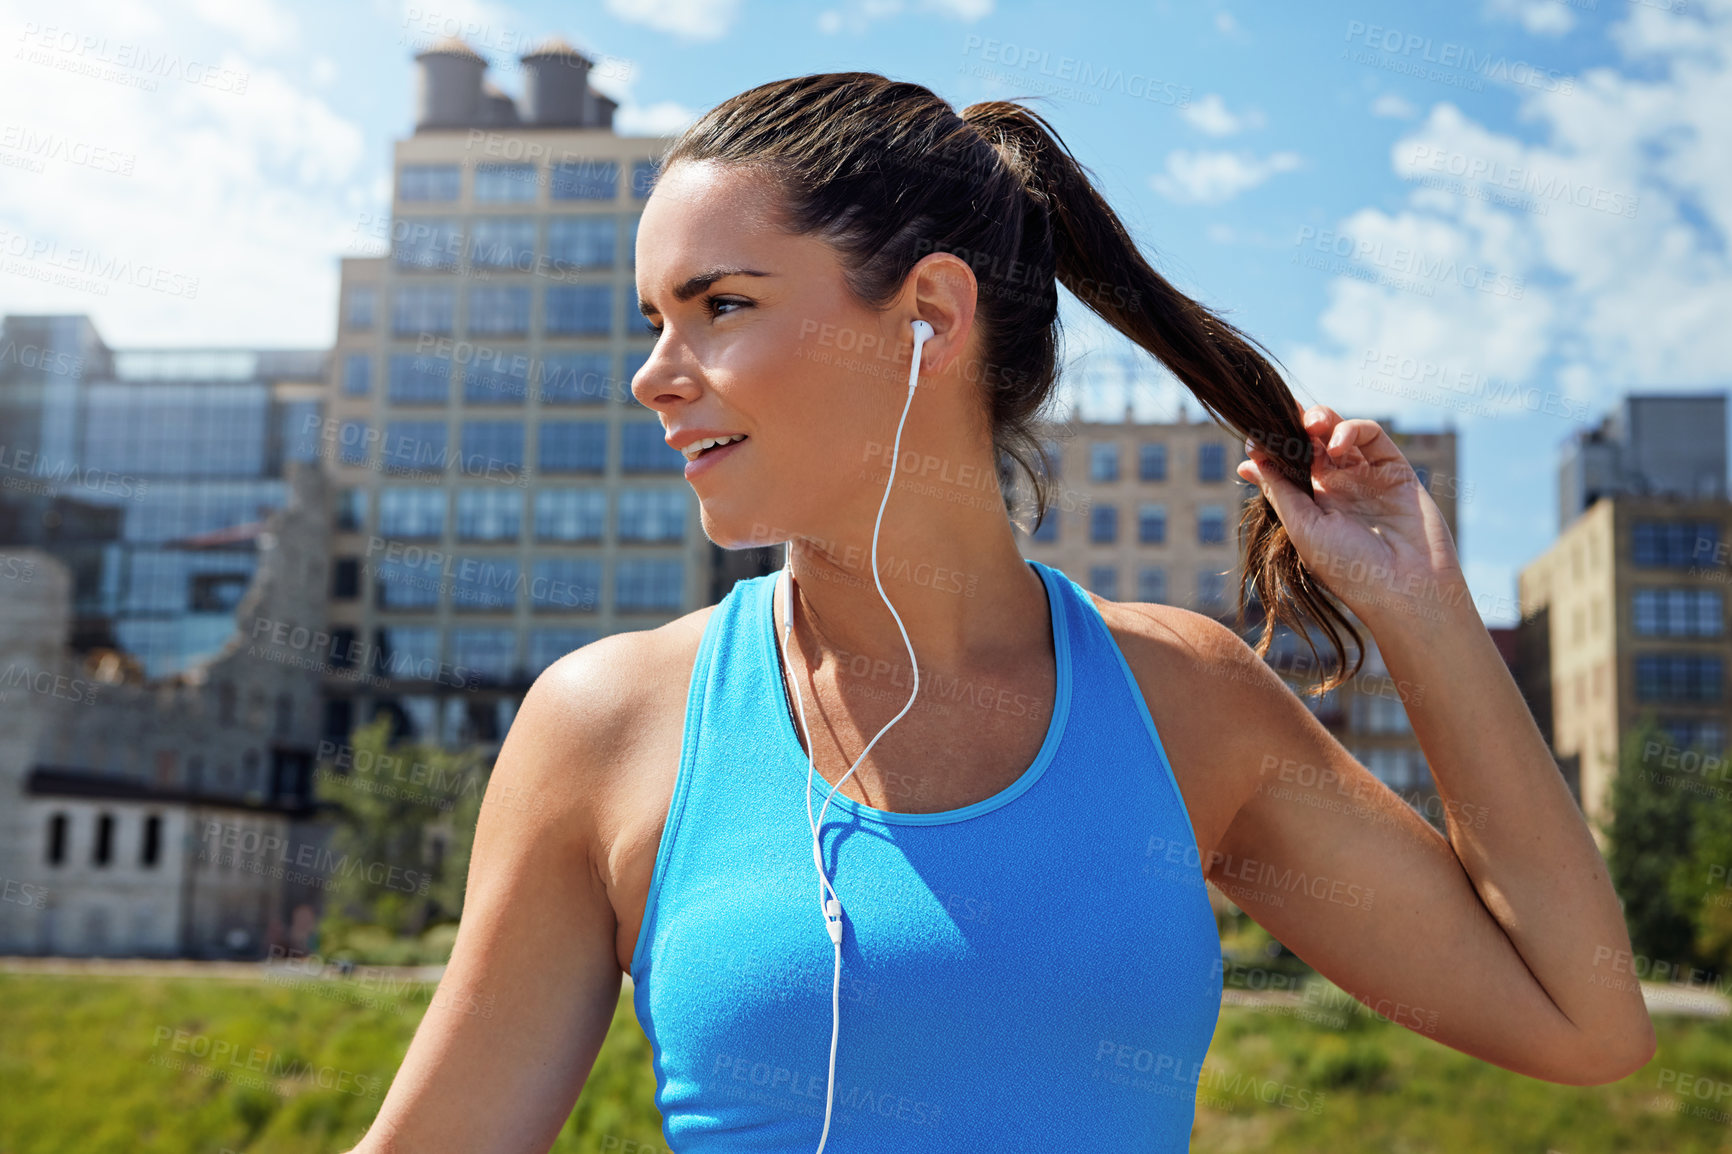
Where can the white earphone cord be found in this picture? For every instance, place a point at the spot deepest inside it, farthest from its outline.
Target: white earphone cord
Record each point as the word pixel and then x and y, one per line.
pixel 832 907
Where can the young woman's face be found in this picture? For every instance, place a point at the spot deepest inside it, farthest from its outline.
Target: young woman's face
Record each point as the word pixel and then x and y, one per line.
pixel 767 342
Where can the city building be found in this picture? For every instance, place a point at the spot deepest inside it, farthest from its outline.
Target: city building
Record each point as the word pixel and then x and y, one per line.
pixel 1624 616
pixel 1141 511
pixel 1652 444
pixel 148 472
pixel 163 815
pixel 501 498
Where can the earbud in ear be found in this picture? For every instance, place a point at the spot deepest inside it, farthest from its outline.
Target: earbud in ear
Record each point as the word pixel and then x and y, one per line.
pixel 922 331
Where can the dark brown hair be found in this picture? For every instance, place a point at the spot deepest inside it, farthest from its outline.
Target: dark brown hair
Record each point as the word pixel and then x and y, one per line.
pixel 886 172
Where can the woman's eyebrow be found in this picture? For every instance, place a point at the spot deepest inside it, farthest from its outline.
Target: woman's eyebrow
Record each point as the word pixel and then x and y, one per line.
pixel 694 285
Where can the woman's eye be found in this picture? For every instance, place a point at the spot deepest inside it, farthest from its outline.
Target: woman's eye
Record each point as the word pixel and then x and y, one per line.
pixel 715 303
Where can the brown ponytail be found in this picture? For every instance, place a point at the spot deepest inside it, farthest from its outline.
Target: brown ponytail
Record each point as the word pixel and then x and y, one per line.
pixel 886 172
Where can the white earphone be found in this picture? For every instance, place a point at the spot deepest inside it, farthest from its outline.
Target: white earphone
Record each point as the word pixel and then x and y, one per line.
pixel 832 906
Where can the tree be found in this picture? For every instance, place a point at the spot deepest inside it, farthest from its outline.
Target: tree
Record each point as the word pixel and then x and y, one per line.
pixel 404 818
pixel 1651 837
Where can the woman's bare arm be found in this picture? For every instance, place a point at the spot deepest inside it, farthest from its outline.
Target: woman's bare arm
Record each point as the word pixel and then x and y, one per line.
pixel 502 1053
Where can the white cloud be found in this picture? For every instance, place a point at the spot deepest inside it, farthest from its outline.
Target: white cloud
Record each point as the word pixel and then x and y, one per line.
pixel 251 191
pixel 1212 177
pixel 1210 115
pixel 857 16
pixel 263 26
pixel 687 19
pixel 664 118
pixel 1225 23
pixel 1393 106
pixel 1613 207
pixel 1540 17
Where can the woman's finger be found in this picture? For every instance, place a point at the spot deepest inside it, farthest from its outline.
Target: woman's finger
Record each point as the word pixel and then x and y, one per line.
pixel 1295 507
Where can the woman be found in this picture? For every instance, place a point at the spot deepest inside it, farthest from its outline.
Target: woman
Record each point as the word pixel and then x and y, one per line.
pixel 1029 956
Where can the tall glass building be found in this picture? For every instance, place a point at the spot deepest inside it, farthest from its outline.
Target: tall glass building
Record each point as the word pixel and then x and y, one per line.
pixel 501 497
pixel 149 472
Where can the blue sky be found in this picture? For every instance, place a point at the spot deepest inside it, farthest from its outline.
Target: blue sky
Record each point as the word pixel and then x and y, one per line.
pixel 1497 213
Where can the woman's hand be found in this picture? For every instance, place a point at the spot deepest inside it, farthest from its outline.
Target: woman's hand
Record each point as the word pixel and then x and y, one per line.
pixel 1373 535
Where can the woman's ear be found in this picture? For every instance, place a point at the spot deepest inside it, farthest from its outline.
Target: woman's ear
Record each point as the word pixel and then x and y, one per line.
pixel 943 292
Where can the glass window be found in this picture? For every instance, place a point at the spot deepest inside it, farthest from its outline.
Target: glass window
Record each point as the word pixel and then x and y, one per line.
pixel 1152 525
pixel 631 245
pixel 1151 584
pixel 504 183
pixel 548 645
pixel 1211 525
pixel 586 180
pixel 484 655
pixel 496 378
pixel 575 242
pixel 649 585
pixel 1673 544
pixel 363 299
pixel 1152 461
pixel 433 182
pixel 415 446
pixel 170 428
pixel 644 449
pixel 490 514
pixel 411 511
pixel 579 309
pixel 1104 580
pixel 357 374
pixel 426 242
pixel 1104 524
pixel 1679 612
pixel 573 447
pixel 1665 677
pixel 575 378
pixel 502 242
pixel 352 444
pixel 345 582
pixel 1211 461
pixel 417 309
pixel 569 584
pixel 484 584
pixel 1211 591
pixel 1104 461
pixel 570 514
pixel 351 509
pixel 407 651
pixel 652 514
pixel 418 380
pixel 405 586
pixel 643 178
pixel 497 309
pixel 492 446
pixel 1047 531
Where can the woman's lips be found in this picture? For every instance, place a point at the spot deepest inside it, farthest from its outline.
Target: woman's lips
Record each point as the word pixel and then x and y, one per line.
pixel 708 458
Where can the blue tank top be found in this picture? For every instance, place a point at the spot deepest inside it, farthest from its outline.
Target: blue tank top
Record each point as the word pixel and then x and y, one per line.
pixel 1038 970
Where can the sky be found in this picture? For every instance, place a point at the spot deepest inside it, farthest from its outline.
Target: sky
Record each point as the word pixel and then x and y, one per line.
pixel 1496 216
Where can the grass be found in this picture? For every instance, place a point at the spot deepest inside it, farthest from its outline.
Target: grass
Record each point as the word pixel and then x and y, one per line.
pixel 82 1068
